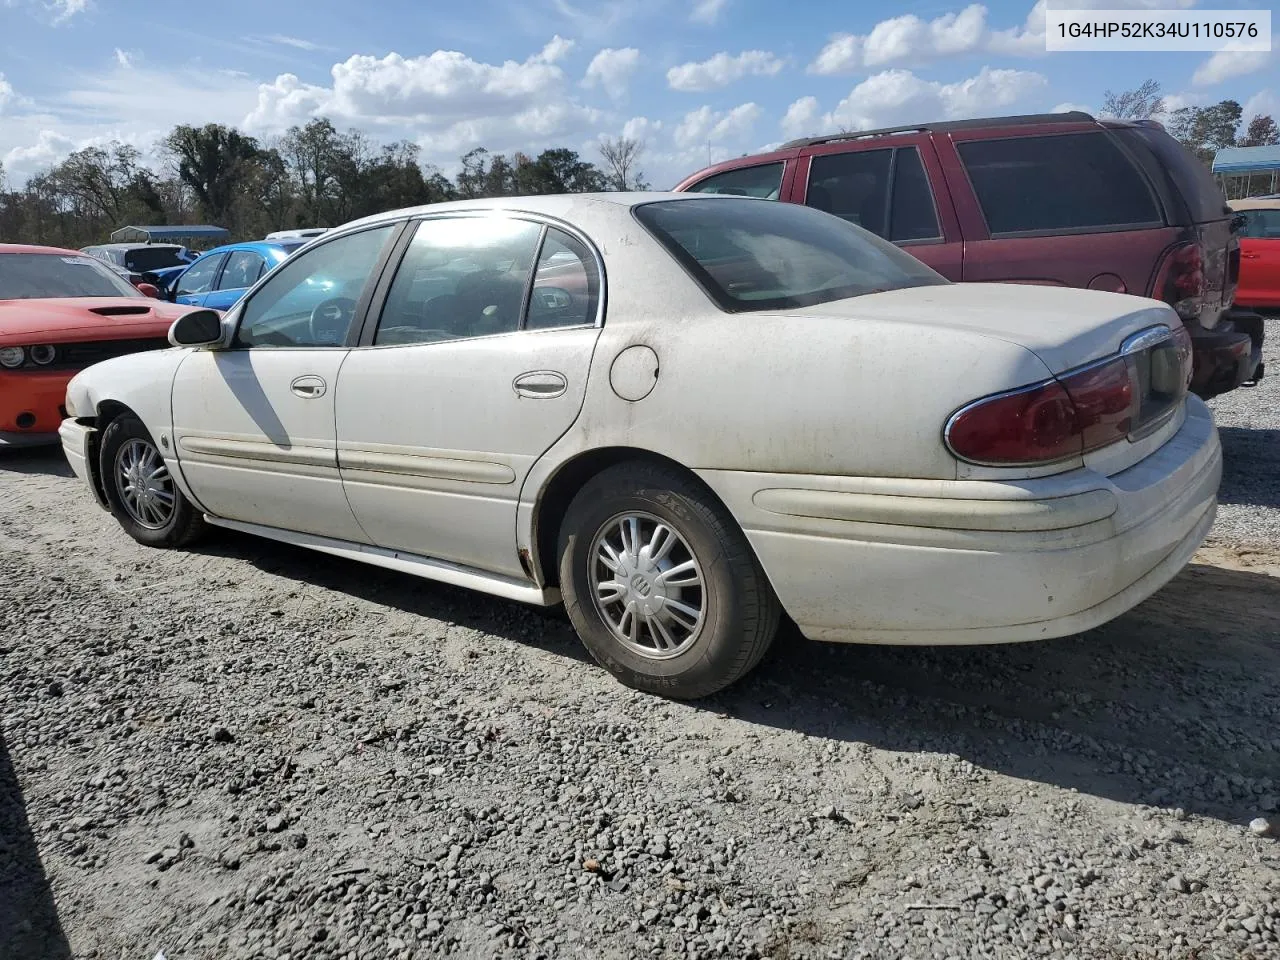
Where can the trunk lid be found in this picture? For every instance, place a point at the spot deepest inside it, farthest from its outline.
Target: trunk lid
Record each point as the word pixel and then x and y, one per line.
pixel 1066 328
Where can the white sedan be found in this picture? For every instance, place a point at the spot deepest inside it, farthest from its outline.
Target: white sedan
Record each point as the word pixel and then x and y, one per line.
pixel 681 415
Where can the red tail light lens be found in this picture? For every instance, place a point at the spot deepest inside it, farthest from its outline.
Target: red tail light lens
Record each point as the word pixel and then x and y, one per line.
pixel 1079 411
pixel 1180 281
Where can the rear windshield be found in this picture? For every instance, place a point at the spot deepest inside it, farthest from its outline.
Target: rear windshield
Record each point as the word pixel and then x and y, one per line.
pixel 757 255
pixel 27 276
pixel 1189 177
pixel 1057 184
pixel 153 258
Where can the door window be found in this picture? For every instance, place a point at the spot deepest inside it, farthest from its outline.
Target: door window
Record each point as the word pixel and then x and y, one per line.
pixel 199 277
pixel 461 277
pixel 854 186
pixel 1261 224
pixel 311 300
pixel 763 182
pixel 912 215
pixel 565 284
pixel 1072 182
pixel 243 269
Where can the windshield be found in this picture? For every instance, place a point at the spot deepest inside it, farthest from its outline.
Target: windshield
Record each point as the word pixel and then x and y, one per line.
pixel 142 259
pixel 762 255
pixel 28 276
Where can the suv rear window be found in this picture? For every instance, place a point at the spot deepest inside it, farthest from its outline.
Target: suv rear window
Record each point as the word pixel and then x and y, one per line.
pixel 1191 178
pixel 1069 182
pixel 749 255
pixel 763 181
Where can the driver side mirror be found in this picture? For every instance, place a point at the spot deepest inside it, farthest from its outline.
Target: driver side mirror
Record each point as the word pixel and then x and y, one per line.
pixel 199 328
pixel 148 290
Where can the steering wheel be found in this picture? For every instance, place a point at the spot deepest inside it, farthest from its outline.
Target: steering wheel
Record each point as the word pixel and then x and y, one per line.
pixel 331 319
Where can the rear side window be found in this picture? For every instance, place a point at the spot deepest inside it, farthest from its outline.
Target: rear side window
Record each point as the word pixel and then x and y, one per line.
pixel 1071 182
pixel 1261 224
pixel 763 182
pixel 853 186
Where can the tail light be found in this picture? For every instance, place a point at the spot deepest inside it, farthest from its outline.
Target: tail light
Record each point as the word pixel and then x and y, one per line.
pixel 1180 280
pixel 1127 396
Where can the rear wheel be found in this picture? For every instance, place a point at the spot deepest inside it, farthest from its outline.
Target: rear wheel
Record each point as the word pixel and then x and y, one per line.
pixel 661 584
pixel 140 490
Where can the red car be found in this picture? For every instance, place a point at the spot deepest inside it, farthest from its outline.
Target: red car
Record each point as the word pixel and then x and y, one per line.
pixel 1259 253
pixel 1056 199
pixel 60 311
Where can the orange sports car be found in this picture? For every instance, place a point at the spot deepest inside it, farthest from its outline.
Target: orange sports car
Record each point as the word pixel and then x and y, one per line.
pixel 60 311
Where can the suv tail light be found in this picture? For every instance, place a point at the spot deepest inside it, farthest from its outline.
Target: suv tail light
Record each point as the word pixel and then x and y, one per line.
pixel 1180 280
pixel 1127 396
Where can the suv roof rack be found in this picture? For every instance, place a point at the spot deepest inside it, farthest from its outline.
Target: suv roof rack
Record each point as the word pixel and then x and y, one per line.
pixel 1074 116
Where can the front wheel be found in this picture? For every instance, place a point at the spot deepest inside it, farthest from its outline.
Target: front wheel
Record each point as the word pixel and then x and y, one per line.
pixel 140 490
pixel 661 584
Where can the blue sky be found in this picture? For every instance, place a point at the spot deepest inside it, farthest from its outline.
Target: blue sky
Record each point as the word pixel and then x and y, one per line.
pixel 691 79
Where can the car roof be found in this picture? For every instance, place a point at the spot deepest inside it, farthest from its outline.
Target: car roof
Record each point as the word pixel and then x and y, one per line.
pixel 257 246
pixel 946 126
pixel 1255 203
pixel 134 246
pixel 557 205
pixel 36 248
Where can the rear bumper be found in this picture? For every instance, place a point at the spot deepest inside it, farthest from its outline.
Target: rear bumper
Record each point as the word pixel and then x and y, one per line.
pixel 1229 355
pixel 874 560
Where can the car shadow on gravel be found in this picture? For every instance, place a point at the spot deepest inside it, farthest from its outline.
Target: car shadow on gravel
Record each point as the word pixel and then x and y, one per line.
pixel 1174 704
pixel 1250 467
pixel 48 461
pixel 29 924
pixel 1163 706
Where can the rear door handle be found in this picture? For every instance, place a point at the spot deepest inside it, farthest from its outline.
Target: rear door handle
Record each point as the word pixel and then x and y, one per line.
pixel 308 387
pixel 540 384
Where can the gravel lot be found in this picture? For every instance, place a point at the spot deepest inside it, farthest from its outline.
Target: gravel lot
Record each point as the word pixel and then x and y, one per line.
pixel 257 751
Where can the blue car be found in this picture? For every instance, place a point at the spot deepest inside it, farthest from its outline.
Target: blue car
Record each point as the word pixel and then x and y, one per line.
pixel 219 278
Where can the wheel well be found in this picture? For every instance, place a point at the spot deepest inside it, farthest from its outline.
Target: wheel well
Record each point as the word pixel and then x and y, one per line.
pixel 564 486
pixel 108 410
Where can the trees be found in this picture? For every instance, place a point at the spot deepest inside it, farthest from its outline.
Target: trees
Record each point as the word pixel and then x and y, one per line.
pixel 1142 103
pixel 622 160
pixel 1206 130
pixel 313 175
pixel 1261 132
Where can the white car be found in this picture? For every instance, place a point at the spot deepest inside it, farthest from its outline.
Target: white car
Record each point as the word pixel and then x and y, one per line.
pixel 682 415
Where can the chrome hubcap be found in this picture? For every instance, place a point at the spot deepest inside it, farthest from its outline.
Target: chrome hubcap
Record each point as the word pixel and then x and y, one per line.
pixel 647 585
pixel 146 488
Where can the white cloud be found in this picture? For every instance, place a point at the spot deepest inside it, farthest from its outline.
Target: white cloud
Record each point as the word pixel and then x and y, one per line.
pixel 722 70
pixel 556 49
pixel 908 38
pixel 705 124
pixel 611 69
pixel 123 59
pixel 6 92
pixel 296 42
pixel 64 10
pixel 642 129
pixel 1264 102
pixel 1069 107
pixel 708 11
pixel 1226 64
pixel 899 96
pixel 801 118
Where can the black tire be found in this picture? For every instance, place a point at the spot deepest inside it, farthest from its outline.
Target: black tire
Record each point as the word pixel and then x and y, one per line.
pixel 740 611
pixel 184 524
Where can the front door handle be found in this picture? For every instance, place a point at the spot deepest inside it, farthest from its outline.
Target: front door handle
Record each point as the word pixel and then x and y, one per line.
pixel 308 387
pixel 540 384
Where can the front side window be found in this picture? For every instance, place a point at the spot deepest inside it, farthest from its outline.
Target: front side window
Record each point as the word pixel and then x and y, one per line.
pixel 28 276
pixel 763 181
pixel 198 278
pixel 461 277
pixel 243 269
pixel 1071 182
pixel 310 300
pixel 774 256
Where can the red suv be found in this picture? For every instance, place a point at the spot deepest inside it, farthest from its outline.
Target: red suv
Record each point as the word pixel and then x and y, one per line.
pixel 1058 199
